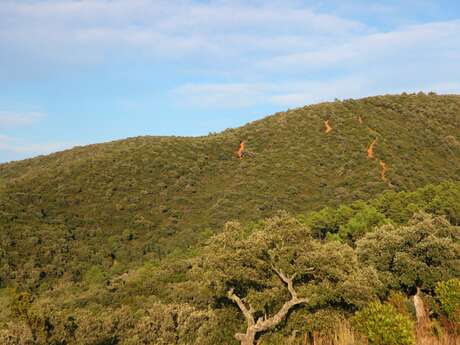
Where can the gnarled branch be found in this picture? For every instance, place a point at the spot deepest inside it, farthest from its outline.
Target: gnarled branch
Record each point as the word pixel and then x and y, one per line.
pixel 248 313
pixel 264 324
pixel 288 281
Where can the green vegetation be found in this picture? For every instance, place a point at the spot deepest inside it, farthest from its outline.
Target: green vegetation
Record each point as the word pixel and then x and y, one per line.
pixel 251 272
pixel 174 241
pixel 415 255
pixel 448 294
pixel 383 325
pixel 351 222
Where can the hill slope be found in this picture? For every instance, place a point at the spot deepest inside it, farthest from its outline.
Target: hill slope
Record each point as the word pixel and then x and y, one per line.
pixel 122 202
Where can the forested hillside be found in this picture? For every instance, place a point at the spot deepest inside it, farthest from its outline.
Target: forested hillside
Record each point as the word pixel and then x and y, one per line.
pixel 173 240
pixel 338 263
pixel 140 198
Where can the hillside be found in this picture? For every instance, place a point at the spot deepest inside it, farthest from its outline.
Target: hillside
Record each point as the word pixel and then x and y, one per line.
pixel 177 241
pixel 118 204
pixel 395 249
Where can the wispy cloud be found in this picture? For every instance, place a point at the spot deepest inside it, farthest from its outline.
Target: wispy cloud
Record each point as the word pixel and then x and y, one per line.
pixel 285 94
pixel 416 42
pixel 294 94
pixel 24 147
pixel 90 31
pixel 18 119
pixel 224 95
pixel 412 58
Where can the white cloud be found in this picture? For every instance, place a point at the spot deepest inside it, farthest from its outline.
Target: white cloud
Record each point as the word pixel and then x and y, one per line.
pixel 244 39
pixel 95 31
pixel 414 58
pixel 226 36
pixel 231 95
pixel 25 148
pixel 175 16
pixel 446 87
pixel 18 119
pixel 417 42
pixel 285 94
pixel 292 94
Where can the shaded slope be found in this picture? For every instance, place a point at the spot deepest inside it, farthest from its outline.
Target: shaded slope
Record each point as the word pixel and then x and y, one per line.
pixel 122 202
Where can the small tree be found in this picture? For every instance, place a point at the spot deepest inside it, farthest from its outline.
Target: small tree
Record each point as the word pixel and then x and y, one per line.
pixel 448 294
pixel 383 325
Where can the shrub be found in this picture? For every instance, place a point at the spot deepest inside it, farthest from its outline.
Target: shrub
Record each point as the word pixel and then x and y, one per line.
pixel 383 325
pixel 448 295
pixel 401 303
pixel 94 275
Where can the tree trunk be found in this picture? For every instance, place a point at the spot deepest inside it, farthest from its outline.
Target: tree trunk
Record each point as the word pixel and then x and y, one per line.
pixel 264 324
pixel 247 339
pixel 422 317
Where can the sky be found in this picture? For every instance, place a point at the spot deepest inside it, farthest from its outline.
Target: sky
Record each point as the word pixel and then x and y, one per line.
pixel 76 72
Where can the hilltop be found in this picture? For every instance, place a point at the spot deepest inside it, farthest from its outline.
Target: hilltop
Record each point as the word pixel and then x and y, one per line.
pixel 120 203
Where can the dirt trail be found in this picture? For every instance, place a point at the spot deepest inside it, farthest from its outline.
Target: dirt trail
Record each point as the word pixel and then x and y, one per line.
pixel 240 152
pixel 370 150
pixel 328 127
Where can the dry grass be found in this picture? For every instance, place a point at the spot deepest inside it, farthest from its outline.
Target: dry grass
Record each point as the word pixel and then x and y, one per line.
pixel 425 327
pixel 344 335
pixel 425 335
pixel 445 339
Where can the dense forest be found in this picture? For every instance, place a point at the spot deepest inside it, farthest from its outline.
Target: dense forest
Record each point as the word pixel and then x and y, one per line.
pixel 338 224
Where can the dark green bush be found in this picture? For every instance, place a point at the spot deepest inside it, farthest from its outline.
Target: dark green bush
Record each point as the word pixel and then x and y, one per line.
pixel 419 254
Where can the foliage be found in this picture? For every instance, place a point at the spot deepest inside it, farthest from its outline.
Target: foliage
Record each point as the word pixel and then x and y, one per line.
pixel 326 273
pixel 401 303
pixel 383 325
pixel 363 221
pixel 183 300
pixel 448 294
pixel 353 221
pixel 419 254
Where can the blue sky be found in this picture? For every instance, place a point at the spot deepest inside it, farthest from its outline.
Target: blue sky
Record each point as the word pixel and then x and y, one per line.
pixel 79 72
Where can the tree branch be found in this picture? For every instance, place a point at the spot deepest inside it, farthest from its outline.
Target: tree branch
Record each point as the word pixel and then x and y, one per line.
pixel 288 281
pixel 264 323
pixel 248 313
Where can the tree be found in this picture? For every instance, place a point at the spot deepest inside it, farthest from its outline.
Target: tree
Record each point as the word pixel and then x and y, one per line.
pixel 363 221
pixel 425 251
pixel 251 268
